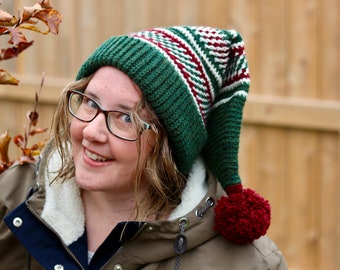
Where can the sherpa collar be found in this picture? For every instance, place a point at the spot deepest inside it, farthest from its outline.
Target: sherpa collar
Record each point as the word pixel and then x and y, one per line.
pixel 64 211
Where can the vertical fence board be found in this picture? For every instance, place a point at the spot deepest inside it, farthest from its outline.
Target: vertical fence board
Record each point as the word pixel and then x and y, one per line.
pixel 328 248
pixel 329 52
pixel 301 200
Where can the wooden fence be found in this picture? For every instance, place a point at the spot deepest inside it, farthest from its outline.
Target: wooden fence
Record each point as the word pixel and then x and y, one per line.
pixel 290 142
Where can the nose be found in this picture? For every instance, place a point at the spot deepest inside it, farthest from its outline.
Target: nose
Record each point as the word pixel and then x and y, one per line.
pixel 96 130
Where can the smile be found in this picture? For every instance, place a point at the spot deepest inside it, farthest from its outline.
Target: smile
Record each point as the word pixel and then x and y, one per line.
pixel 94 156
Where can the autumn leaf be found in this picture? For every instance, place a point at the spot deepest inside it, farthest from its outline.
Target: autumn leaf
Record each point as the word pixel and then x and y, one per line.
pixel 29 12
pixel 45 4
pixel 33 116
pixel 4 144
pixel 38 131
pixel 6 78
pixel 3 30
pixel 51 17
pixel 43 12
pixel 11 26
pixel 5 17
pixel 16 36
pixel 19 141
pixel 13 51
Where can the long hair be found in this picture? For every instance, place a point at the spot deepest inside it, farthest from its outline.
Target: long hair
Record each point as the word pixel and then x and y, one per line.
pixel 165 182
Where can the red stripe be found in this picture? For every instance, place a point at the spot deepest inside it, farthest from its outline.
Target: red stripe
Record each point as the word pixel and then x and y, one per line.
pixel 181 67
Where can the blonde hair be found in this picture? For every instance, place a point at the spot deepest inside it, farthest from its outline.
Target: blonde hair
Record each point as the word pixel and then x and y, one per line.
pixel 165 182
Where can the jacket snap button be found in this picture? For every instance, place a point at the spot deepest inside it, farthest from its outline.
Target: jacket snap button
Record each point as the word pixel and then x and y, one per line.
pixel 17 222
pixel 58 267
pixel 118 267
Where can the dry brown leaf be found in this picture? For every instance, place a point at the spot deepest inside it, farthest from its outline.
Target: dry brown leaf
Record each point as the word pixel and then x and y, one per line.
pixel 6 78
pixel 38 131
pixel 5 16
pixel 13 51
pixel 51 17
pixel 4 144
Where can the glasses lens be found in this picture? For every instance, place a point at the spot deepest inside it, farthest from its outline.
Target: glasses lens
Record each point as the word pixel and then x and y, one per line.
pixel 121 124
pixel 82 107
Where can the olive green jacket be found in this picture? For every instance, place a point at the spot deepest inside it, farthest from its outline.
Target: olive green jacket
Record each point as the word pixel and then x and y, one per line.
pixel 15 186
pixel 151 248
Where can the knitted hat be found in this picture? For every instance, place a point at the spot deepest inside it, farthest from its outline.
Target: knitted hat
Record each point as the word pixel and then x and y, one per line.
pixel 196 80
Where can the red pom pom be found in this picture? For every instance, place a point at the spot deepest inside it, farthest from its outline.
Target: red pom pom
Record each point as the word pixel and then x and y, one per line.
pixel 243 216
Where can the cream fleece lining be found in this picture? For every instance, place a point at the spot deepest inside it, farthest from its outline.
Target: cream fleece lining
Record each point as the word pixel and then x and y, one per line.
pixel 64 211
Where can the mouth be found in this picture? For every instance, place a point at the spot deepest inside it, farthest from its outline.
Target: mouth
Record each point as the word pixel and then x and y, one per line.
pixel 95 157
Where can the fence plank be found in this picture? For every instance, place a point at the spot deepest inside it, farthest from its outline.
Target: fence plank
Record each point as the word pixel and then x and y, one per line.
pixel 292 112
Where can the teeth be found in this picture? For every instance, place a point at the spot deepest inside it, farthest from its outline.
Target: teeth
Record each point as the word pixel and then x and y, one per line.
pixel 94 156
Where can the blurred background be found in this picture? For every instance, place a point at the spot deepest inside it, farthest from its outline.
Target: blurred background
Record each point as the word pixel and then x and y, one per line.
pixel 290 142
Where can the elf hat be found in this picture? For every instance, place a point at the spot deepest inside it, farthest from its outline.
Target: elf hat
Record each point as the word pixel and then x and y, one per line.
pixel 196 80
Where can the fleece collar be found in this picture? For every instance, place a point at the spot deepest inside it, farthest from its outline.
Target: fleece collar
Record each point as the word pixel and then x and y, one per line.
pixel 64 211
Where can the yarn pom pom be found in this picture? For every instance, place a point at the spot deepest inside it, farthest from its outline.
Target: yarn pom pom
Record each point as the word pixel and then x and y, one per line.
pixel 243 216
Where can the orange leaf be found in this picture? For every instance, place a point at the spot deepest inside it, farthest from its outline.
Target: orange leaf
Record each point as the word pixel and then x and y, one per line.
pixel 14 51
pixel 51 17
pixel 19 141
pixel 26 152
pixel 4 143
pixel 3 30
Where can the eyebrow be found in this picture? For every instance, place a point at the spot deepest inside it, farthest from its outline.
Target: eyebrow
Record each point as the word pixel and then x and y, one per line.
pixel 123 107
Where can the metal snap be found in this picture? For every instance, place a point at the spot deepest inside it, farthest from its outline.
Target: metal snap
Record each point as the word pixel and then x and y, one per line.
pixel 58 267
pixel 17 222
pixel 118 267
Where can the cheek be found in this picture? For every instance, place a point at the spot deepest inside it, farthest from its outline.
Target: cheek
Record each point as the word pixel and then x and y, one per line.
pixel 148 144
pixel 76 131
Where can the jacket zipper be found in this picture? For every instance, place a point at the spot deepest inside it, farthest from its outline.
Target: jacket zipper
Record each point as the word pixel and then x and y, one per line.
pixel 50 228
pixel 121 248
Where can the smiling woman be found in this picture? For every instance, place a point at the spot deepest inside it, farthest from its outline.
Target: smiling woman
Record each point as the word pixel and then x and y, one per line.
pixel 141 171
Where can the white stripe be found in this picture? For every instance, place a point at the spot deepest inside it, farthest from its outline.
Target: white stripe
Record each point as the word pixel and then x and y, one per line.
pixel 226 100
pixel 234 85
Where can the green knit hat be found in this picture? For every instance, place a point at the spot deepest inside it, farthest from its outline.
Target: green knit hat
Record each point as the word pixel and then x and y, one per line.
pixel 196 80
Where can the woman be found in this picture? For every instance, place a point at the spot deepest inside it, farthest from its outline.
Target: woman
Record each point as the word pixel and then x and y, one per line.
pixel 143 152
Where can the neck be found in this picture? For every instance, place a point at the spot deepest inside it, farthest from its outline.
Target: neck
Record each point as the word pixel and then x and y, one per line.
pixel 103 212
pixel 111 207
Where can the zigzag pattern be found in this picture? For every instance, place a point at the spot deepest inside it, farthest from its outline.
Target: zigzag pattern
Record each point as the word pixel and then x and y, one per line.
pixel 213 52
pixel 185 59
pixel 222 49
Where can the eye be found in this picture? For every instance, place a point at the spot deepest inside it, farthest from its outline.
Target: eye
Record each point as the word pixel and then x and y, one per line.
pixel 126 118
pixel 90 103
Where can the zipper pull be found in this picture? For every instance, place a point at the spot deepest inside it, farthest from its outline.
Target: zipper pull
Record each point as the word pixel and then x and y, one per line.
pixel 181 241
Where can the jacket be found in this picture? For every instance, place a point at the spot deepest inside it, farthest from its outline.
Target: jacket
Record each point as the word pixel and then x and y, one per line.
pixel 15 185
pixel 50 225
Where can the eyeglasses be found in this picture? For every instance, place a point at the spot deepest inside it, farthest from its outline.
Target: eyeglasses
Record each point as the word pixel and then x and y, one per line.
pixel 120 124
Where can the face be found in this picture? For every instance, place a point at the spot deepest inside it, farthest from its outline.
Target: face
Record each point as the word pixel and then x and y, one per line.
pixel 104 162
